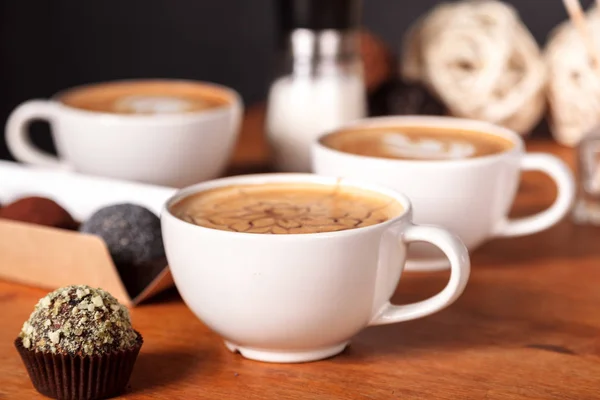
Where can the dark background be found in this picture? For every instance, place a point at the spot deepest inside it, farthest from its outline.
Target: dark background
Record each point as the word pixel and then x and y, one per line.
pixel 49 45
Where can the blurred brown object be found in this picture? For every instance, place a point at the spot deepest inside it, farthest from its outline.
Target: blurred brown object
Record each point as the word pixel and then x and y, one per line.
pixel 39 211
pixel 399 97
pixel 378 60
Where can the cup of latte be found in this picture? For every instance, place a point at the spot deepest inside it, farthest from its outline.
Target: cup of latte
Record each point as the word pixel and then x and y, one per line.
pixel 288 267
pixel 460 174
pixel 158 131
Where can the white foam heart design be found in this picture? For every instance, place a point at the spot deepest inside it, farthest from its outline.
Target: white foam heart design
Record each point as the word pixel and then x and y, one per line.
pixel 153 104
pixel 401 145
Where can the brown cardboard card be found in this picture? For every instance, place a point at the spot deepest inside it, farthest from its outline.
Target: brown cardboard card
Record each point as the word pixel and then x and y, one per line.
pixel 50 257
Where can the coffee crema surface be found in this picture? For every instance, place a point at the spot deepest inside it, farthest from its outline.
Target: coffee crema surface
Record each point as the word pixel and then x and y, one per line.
pixel 416 143
pixel 286 208
pixel 146 97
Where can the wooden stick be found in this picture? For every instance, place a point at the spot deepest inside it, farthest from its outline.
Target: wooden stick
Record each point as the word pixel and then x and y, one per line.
pixel 577 16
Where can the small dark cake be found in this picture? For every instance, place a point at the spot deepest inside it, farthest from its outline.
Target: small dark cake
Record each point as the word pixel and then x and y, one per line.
pixel 132 233
pixel 40 211
pixel 78 320
pixel 397 97
pixel 79 343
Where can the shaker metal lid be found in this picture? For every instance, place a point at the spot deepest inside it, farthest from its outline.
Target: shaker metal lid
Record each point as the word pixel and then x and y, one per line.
pixel 319 14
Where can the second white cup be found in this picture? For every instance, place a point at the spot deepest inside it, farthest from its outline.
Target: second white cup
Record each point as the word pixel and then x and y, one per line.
pixel 156 145
pixel 470 197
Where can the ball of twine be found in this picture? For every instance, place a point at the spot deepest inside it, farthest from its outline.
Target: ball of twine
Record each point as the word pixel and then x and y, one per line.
pixel 481 61
pixel 574 81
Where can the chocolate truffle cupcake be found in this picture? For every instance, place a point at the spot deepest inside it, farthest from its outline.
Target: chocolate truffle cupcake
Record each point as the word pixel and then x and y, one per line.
pixel 39 211
pixel 79 344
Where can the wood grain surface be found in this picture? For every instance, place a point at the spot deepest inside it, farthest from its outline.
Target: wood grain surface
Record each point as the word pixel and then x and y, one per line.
pixel 527 327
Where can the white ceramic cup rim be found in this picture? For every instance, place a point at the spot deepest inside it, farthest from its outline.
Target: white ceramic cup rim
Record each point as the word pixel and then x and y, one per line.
pixel 234 99
pixel 287 178
pixel 426 121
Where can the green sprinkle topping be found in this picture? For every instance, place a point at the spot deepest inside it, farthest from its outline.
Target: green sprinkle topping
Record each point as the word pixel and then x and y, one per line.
pixel 78 320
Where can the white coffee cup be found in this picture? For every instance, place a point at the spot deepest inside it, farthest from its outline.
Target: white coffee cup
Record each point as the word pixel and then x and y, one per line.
pixel 168 149
pixel 470 197
pixel 301 297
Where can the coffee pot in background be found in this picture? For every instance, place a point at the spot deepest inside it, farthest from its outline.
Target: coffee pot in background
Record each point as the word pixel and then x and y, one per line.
pixel 320 84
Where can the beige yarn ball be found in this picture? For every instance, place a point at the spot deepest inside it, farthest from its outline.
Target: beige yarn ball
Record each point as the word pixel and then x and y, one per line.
pixel 481 61
pixel 574 82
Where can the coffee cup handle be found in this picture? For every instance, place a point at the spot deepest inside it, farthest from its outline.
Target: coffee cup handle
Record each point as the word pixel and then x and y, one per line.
pixel 565 184
pixel 460 268
pixel 17 133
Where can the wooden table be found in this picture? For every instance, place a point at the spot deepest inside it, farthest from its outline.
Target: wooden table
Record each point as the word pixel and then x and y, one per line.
pixel 527 327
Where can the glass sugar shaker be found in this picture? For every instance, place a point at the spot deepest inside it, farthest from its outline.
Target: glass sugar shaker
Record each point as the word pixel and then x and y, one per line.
pixel 320 85
pixel 587 207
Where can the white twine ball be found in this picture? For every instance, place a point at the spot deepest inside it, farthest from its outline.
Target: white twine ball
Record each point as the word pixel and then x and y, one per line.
pixel 573 82
pixel 481 61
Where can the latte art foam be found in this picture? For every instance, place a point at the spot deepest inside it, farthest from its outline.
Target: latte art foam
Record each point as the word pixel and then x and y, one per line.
pixel 286 208
pixel 403 146
pixel 146 97
pixel 157 105
pixel 416 143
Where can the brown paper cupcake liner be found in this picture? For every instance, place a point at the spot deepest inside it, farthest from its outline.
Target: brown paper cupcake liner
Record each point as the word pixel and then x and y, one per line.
pixel 79 377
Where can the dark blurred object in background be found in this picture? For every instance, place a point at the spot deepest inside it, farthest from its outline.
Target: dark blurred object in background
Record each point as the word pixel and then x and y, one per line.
pixel 378 60
pixel 396 97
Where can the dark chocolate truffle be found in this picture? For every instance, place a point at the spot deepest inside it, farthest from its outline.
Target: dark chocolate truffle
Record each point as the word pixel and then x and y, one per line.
pixel 40 211
pixel 132 233
pixel 403 98
pixel 79 320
